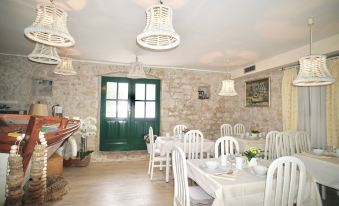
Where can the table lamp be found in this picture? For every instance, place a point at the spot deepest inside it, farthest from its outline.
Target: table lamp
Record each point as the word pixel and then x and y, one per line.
pixel 38 109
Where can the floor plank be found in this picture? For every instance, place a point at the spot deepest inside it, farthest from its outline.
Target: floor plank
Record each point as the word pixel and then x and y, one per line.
pixel 116 183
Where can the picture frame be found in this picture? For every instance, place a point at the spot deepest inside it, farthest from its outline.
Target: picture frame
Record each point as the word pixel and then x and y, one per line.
pixel 203 92
pixel 257 93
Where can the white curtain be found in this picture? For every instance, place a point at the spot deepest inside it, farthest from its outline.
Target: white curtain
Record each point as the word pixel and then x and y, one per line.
pixel 289 99
pixel 312 114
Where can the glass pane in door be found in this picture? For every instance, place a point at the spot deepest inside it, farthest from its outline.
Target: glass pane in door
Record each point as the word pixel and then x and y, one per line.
pixel 111 108
pixel 123 91
pixel 139 91
pixel 139 109
pixel 122 109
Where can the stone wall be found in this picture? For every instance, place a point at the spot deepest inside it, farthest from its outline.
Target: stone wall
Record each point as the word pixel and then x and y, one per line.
pixel 262 118
pixel 79 95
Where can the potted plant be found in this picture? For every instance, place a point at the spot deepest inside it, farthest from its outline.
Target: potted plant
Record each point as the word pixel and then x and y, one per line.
pixel 252 152
pixel 87 129
pixel 255 132
pixel 147 141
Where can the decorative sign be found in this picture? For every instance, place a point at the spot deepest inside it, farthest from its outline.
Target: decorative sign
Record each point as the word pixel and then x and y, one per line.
pixel 203 92
pixel 42 87
pixel 258 93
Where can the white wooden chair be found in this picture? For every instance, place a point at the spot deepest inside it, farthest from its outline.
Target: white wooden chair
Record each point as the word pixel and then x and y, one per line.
pixel 284 144
pixel 154 156
pixel 193 144
pixel 270 146
pixel 302 142
pixel 239 129
pixel 285 182
pixel 183 194
pixel 178 130
pixel 226 130
pixel 226 145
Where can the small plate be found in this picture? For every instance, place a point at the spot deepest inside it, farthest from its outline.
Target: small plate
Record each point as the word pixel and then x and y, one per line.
pixel 219 169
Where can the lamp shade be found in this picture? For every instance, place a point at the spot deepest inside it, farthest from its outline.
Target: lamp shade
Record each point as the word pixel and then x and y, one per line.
pixel 159 33
pixel 313 72
pixel 65 67
pixel 228 88
pixel 45 54
pixel 38 109
pixel 137 70
pixel 50 27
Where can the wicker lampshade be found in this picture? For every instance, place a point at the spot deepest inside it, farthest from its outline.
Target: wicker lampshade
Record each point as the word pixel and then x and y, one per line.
pixel 38 109
pixel 50 27
pixel 65 67
pixel 159 33
pixel 137 70
pixel 228 88
pixel 313 72
pixel 43 53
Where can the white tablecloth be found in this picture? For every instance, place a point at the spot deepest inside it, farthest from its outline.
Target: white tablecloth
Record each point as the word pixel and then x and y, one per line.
pixel 245 144
pixel 325 169
pixel 244 189
pixel 165 144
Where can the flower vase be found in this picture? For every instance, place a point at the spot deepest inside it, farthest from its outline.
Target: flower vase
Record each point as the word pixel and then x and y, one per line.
pixel 148 145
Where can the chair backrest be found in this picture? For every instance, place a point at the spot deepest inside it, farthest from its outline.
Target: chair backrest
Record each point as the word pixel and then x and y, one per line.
pixel 178 130
pixel 181 191
pixel 302 142
pixel 226 130
pixel 226 145
pixel 239 129
pixel 151 141
pixel 285 182
pixel 270 146
pixel 284 144
pixel 193 144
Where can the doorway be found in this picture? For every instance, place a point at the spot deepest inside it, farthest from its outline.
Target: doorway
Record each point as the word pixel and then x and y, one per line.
pixel 128 108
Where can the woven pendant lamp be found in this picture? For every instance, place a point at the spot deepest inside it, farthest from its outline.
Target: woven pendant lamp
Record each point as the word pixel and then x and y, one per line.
pixel 50 27
pixel 44 54
pixel 228 88
pixel 159 33
pixel 65 67
pixel 137 70
pixel 313 70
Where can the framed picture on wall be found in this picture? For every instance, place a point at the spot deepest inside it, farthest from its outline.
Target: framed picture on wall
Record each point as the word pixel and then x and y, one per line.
pixel 258 93
pixel 203 92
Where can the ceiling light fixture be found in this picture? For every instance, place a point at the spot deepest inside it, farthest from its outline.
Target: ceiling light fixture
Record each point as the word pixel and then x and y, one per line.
pixel 159 33
pixel 227 88
pixel 50 26
pixel 65 67
pixel 44 54
pixel 137 70
pixel 313 70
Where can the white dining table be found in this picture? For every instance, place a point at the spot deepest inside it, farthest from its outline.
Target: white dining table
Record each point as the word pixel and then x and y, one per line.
pixel 242 188
pixel 165 146
pixel 245 143
pixel 325 168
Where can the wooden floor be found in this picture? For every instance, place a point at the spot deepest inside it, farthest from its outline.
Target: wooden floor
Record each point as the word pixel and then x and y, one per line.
pixel 116 183
pixel 125 184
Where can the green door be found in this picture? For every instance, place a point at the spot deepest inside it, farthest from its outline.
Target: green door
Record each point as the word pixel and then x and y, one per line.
pixel 128 108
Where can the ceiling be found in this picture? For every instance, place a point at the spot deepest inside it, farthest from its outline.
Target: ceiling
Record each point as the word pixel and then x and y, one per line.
pixel 216 35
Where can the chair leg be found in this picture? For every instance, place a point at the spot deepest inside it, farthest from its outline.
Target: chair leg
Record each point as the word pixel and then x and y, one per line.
pixel 149 165
pixel 323 192
pixel 152 169
pixel 160 165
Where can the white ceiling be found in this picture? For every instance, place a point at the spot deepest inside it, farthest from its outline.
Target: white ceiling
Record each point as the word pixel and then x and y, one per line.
pixel 215 34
